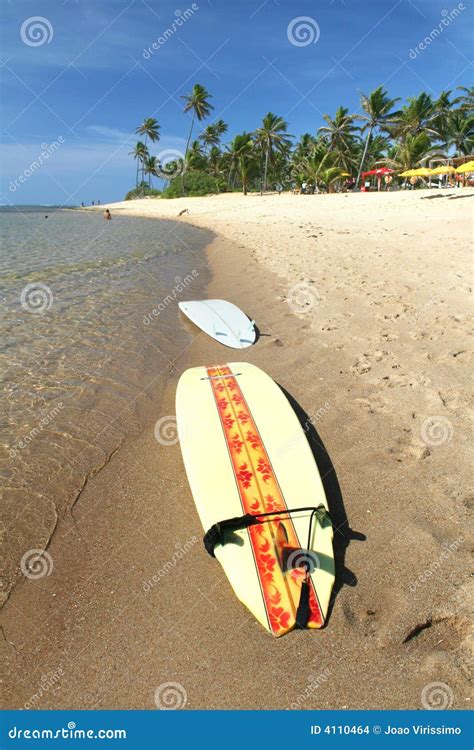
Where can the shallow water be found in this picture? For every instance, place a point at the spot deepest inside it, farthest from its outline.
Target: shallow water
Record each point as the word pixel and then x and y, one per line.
pixel 89 329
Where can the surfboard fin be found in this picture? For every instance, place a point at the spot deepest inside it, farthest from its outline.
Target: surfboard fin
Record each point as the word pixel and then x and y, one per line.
pixel 303 612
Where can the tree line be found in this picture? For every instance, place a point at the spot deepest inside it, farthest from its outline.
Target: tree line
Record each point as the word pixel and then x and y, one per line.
pixel 380 133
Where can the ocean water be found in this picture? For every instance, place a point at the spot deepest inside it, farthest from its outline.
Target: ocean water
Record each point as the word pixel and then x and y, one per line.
pixel 89 328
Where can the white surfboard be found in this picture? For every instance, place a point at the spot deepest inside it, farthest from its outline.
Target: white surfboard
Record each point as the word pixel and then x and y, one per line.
pixel 222 321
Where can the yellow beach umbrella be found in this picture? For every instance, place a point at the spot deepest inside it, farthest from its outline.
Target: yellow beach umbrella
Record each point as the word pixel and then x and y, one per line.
pixel 443 169
pixel 467 167
pixel 344 174
pixel 408 173
pixel 422 172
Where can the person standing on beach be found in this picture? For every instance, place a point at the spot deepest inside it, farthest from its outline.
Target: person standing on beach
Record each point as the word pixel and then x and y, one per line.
pixel 107 214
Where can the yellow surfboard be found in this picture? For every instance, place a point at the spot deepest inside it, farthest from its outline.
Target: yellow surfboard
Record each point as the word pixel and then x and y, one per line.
pixel 248 460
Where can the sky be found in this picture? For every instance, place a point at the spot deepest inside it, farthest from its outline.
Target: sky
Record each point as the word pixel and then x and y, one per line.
pixel 78 76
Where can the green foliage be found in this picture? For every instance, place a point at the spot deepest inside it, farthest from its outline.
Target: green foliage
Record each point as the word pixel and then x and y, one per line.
pixel 383 132
pixel 197 183
pixel 142 191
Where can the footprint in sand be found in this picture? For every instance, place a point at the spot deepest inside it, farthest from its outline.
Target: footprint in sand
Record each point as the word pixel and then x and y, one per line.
pixel 407 447
pixel 361 366
pixel 376 405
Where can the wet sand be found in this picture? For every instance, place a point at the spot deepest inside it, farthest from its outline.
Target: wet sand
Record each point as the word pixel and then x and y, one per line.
pixel 379 351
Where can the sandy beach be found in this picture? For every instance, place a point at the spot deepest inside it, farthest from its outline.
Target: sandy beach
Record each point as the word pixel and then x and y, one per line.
pixel 364 306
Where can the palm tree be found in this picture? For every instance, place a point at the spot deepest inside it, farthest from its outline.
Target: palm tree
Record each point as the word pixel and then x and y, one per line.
pixel 220 128
pixel 466 100
pixel 409 153
pixel 271 136
pixel 339 134
pixel 211 135
pixel 195 158
pixel 215 164
pixel 150 168
pixel 328 177
pixel 460 133
pixel 442 109
pixel 198 103
pixel 378 108
pixel 419 116
pixel 140 153
pixel 150 129
pixel 242 154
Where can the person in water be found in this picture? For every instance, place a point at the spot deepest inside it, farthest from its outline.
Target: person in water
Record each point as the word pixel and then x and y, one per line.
pixel 107 214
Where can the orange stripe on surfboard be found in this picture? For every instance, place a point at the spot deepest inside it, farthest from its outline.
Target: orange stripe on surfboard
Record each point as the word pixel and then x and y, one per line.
pixel 260 493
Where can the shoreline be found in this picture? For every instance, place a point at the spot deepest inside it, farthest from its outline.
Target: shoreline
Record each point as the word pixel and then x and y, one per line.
pixel 386 621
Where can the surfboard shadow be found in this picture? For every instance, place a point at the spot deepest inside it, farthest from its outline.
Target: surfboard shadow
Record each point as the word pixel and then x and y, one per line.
pixel 343 534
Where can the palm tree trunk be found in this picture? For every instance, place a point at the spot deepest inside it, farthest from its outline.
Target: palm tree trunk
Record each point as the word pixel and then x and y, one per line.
pixel 230 173
pixel 367 141
pixel 186 153
pixel 265 186
pixel 138 165
pixel 143 162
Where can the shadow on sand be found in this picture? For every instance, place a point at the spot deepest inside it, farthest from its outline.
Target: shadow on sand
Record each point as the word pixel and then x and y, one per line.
pixel 343 534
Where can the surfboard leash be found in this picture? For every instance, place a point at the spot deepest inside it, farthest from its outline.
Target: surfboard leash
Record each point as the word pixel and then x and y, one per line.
pixel 220 533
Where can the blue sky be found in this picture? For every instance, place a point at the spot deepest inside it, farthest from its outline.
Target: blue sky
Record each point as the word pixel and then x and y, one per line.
pixel 81 74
